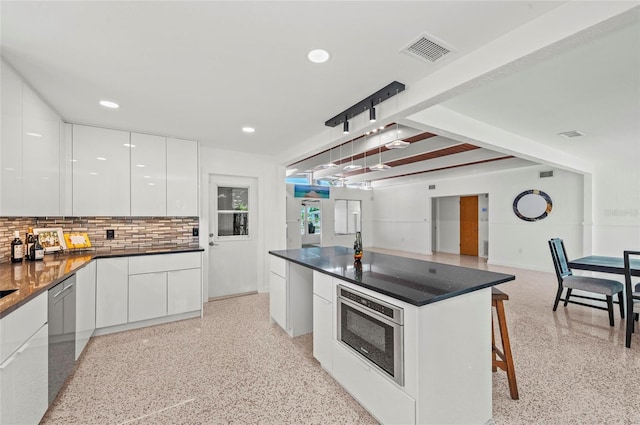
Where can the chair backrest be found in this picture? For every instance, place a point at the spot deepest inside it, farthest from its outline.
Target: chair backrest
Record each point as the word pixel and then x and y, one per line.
pixel 628 285
pixel 559 256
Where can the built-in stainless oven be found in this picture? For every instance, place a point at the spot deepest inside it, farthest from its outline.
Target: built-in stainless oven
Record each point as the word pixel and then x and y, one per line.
pixel 373 329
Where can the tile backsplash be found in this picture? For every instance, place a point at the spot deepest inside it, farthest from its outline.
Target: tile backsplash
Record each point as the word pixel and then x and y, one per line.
pixel 130 232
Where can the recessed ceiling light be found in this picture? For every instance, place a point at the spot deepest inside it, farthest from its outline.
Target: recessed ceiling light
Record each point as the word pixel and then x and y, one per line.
pixel 109 104
pixel 248 129
pixel 318 56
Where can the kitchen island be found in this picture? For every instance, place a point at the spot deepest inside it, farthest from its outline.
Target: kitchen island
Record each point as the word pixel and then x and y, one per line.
pixel 444 334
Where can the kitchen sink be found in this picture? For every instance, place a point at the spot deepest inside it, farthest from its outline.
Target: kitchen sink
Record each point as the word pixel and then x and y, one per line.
pixel 5 292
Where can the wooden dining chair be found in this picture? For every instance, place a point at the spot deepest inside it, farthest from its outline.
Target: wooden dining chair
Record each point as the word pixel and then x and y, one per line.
pixel 632 292
pixel 595 285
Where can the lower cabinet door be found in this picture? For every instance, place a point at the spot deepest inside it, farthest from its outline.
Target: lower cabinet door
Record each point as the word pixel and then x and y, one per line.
pixel 112 276
pixel 323 332
pixel 184 289
pixel 147 296
pixel 278 299
pixel 24 384
pixel 384 399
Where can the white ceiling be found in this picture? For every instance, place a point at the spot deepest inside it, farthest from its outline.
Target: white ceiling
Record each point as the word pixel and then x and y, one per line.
pixel 203 70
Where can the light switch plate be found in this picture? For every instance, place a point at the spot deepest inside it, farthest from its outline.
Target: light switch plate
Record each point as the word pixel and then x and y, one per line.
pixel 111 234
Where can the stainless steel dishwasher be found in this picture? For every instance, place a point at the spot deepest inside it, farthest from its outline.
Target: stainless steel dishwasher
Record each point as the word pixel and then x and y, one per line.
pixel 62 333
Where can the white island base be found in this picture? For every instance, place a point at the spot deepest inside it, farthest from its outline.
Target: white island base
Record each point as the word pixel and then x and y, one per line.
pixel 447 357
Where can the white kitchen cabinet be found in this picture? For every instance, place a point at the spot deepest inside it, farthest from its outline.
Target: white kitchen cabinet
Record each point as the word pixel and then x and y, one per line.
pixel 182 178
pixel 324 289
pixel 101 172
pixel 278 299
pixel 30 178
pixel 184 291
pixel 323 331
pixel 147 296
pixel 148 175
pixel 164 284
pixel 112 285
pixel 24 384
pixel 85 305
pixel 24 381
pixel 386 401
pixel 11 142
pixel 40 155
pixel 290 296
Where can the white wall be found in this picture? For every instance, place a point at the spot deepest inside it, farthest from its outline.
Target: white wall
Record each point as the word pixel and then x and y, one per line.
pixel 271 202
pixel 402 214
pixel 447 224
pixel 329 238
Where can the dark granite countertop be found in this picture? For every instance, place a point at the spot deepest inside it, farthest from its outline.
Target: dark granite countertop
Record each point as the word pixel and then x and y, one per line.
pixel 414 281
pixel 31 278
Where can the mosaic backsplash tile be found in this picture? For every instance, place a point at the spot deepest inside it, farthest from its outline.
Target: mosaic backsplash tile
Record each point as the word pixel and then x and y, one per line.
pixel 130 232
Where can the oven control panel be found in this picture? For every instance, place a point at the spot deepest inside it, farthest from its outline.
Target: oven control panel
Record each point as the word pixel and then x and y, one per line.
pixel 380 307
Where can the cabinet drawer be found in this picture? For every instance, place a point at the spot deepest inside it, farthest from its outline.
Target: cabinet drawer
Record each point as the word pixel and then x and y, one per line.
pixel 165 262
pixel 323 286
pixel 279 266
pixel 386 402
pixel 20 325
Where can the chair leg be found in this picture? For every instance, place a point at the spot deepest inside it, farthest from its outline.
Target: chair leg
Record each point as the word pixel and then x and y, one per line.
pixel 558 295
pixel 629 329
pixel 566 298
pixel 610 309
pixel 506 347
pixel 621 304
pixel 493 347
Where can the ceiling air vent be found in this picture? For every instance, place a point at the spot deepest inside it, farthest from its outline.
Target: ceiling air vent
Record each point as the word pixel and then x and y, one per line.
pixel 426 48
pixel 544 174
pixel 571 134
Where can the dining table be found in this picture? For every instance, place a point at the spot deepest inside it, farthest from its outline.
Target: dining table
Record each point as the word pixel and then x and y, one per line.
pixel 602 264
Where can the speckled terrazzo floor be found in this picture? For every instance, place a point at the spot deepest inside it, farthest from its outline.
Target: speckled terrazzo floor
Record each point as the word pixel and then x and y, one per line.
pixel 234 367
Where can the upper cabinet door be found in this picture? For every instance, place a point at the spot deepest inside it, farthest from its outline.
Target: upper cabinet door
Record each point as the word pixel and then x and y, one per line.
pixel 11 143
pixel 148 175
pixel 101 172
pixel 41 156
pixel 182 178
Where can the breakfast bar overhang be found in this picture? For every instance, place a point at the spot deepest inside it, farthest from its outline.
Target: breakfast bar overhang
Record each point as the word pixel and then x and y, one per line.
pixel 432 366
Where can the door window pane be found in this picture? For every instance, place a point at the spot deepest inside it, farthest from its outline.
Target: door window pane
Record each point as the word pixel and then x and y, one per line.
pixel 233 211
pixel 347 217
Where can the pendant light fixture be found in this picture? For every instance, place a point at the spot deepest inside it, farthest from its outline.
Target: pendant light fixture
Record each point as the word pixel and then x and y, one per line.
pixel 398 143
pixel 330 164
pixel 379 166
pixel 352 166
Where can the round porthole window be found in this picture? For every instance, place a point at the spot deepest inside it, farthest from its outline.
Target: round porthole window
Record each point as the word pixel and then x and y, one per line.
pixel 532 205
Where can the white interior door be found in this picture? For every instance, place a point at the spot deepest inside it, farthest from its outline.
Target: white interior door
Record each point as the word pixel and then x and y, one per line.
pixel 233 241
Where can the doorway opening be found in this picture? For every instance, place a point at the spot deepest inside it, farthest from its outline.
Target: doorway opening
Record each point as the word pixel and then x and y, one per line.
pixel 460 225
pixel 311 222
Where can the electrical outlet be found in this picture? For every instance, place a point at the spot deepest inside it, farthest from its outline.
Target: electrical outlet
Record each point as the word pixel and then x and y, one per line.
pixel 111 234
pixel 195 231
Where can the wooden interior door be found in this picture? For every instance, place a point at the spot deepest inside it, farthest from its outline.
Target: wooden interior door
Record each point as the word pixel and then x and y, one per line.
pixel 469 225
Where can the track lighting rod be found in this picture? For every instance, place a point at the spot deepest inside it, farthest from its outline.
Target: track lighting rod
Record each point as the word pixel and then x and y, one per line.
pixel 366 103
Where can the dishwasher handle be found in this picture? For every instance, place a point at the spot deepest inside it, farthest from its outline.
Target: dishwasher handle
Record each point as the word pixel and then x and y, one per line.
pixel 70 286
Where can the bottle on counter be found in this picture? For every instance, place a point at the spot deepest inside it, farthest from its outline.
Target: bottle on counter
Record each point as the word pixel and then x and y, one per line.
pixel 17 248
pixel 357 246
pixel 29 241
pixel 37 251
